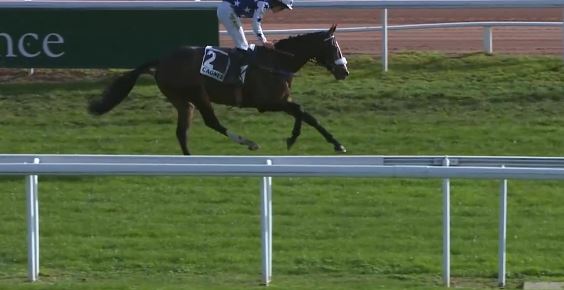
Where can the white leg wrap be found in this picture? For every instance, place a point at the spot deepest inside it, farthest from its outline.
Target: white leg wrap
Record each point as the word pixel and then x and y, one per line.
pixel 236 138
pixel 242 140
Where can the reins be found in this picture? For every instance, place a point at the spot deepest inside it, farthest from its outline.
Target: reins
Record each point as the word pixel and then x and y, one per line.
pixel 282 52
pixel 273 70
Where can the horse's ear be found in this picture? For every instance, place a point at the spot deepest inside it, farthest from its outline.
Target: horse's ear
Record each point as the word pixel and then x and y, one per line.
pixel 332 29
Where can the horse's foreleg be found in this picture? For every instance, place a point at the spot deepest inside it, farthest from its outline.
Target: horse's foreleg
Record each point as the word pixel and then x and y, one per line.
pixel 301 115
pixel 211 121
pixel 296 111
pixel 310 120
pixel 183 124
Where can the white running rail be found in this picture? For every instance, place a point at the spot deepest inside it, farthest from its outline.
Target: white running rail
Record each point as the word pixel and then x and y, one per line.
pixel 344 4
pixel 486 25
pixel 442 167
pixel 341 4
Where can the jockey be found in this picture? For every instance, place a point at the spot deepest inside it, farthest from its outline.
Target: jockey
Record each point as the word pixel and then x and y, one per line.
pixel 230 13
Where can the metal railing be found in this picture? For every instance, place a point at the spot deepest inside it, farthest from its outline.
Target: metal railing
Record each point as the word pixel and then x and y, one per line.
pixel 344 4
pixel 443 167
pixel 487 39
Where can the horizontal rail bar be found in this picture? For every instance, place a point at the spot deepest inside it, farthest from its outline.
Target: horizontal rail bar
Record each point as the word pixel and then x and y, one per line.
pixel 72 169
pixel 415 26
pixel 299 4
pixel 468 161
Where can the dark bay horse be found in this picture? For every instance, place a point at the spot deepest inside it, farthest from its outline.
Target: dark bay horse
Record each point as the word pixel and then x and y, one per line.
pixel 267 85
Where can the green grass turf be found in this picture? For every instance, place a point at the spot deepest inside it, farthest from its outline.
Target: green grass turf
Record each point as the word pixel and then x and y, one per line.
pixel 329 233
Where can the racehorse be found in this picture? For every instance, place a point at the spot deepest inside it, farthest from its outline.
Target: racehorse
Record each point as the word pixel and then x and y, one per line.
pixel 266 88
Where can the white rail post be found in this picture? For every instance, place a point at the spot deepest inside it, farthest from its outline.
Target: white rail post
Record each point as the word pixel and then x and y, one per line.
pixel 446 227
pixel 384 53
pixel 266 227
pixel 269 196
pixel 502 232
pixel 488 40
pixel 32 205
pixel 563 33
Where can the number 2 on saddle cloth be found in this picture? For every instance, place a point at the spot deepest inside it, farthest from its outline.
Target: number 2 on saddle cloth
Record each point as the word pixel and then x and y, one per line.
pixel 224 66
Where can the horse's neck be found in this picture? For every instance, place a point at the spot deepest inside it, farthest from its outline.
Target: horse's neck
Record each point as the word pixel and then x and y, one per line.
pixel 298 62
pixel 301 55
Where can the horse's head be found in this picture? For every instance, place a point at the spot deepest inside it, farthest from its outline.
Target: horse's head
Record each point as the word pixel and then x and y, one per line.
pixel 321 47
pixel 331 57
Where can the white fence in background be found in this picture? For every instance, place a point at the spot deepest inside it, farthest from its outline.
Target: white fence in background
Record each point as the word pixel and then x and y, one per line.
pixel 486 25
pixel 341 4
pixel 266 167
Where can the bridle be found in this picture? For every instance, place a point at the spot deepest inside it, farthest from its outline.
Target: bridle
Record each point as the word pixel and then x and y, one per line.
pixel 339 59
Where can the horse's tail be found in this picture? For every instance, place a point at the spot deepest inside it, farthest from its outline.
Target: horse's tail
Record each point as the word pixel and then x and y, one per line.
pixel 119 89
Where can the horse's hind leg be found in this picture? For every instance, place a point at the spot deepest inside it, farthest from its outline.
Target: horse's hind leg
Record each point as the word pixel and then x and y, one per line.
pixel 185 114
pixel 294 109
pixel 211 121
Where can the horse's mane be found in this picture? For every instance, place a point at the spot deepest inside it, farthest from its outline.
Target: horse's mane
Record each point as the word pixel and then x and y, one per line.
pixel 294 41
pixel 303 47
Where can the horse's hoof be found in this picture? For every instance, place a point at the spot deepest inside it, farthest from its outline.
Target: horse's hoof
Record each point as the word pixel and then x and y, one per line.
pixel 340 149
pixel 253 146
pixel 290 142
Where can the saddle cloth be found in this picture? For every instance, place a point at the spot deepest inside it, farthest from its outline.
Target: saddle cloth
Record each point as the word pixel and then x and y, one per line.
pixel 216 64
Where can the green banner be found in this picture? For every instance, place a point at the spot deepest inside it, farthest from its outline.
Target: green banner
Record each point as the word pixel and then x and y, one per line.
pixel 77 38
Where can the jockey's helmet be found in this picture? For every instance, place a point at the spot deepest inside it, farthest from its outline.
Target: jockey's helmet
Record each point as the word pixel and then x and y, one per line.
pixel 287 3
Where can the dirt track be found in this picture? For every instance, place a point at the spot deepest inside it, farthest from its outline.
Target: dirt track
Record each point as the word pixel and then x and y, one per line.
pixel 526 40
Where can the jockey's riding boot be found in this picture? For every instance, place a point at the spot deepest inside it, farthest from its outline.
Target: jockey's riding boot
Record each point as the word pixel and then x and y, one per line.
pixel 241 63
pixel 244 58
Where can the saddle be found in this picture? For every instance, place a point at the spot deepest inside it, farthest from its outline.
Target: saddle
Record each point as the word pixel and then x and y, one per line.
pixel 224 65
